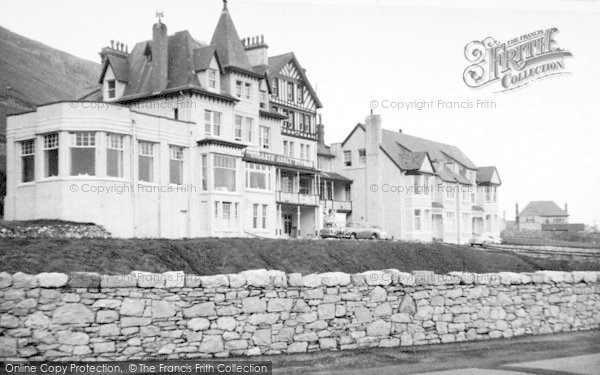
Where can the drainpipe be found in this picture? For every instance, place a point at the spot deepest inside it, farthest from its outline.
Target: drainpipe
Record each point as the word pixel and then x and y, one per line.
pixel 134 181
pixel 458 213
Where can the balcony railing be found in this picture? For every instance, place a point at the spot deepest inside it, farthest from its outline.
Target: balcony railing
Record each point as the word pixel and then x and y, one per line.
pixel 297 198
pixel 341 206
pixel 285 130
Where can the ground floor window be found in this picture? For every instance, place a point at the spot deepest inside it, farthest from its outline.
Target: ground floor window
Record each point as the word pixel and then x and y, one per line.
pixel 83 153
pixel 176 165
pixel 451 218
pixel 28 160
pixel 226 215
pixel 146 161
pixel 114 156
pixel 51 155
pixel 224 172
pixel 258 176
pixel 417 220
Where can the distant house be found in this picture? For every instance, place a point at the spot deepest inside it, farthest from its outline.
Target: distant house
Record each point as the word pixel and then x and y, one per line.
pixel 538 213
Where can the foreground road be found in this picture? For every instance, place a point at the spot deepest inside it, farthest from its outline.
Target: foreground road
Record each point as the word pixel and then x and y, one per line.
pixel 567 353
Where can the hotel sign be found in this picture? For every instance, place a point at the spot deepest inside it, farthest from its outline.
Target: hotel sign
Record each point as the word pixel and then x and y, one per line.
pixel 274 159
pixel 515 63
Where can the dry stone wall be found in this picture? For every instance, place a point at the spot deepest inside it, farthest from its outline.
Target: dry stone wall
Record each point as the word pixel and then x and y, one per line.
pixel 54 316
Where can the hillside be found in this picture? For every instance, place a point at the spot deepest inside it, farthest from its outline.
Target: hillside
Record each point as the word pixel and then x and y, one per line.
pixel 33 73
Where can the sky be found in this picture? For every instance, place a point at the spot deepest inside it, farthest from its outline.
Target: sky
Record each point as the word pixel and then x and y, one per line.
pixel 544 138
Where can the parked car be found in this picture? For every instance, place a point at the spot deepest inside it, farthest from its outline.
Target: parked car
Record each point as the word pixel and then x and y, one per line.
pixel 358 230
pixel 486 238
pixel 381 234
pixel 331 230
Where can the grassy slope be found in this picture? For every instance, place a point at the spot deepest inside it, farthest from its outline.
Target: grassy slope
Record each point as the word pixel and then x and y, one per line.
pixel 214 256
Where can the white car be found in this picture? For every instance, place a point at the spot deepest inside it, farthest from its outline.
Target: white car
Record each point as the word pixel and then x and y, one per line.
pixel 482 239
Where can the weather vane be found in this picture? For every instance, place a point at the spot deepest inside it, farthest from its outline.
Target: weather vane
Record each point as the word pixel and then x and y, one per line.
pixel 160 15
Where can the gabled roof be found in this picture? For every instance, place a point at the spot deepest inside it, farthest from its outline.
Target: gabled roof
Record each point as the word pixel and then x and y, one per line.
pixel 485 176
pixel 276 63
pixel 543 208
pixel 118 66
pixel 203 56
pixel 408 153
pixel 436 150
pixel 230 49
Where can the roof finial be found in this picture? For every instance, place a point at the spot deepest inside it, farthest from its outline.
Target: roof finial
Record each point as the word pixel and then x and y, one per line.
pixel 160 15
pixel 224 5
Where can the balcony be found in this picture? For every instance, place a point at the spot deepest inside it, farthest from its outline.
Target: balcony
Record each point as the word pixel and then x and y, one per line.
pixel 297 198
pixel 338 206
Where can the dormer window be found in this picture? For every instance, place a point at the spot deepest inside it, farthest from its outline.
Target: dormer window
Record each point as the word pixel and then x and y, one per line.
pixel 112 87
pixel 212 78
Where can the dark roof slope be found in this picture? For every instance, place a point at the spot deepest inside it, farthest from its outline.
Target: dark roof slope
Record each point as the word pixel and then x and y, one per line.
pixel 230 50
pixel 485 175
pixel 202 57
pixel 436 150
pixel 180 72
pixel 543 208
pixel 119 67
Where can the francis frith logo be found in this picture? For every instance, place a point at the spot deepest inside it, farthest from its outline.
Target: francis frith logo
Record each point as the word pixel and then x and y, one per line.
pixel 515 63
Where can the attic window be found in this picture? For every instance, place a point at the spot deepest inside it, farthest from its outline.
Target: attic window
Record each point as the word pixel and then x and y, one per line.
pixel 111 88
pixel 148 53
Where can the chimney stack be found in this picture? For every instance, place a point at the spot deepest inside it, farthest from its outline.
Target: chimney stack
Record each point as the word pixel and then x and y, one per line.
pixel 256 49
pixel 566 209
pixel 373 136
pixel 160 58
pixel 517 215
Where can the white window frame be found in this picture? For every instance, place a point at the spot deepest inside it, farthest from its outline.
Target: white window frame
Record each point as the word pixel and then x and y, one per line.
pixel 264 137
pixel 83 140
pixel 115 142
pixel 27 152
pixel 347 158
pixel 176 157
pixel 212 122
pixel 146 150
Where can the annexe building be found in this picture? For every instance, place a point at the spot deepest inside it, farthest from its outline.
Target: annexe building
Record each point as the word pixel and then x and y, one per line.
pixel 414 188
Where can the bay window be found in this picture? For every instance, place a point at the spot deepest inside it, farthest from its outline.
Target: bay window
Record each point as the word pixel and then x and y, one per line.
pixel 224 172
pixel 83 153
pixel 114 155
pixel 28 160
pixel 51 155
